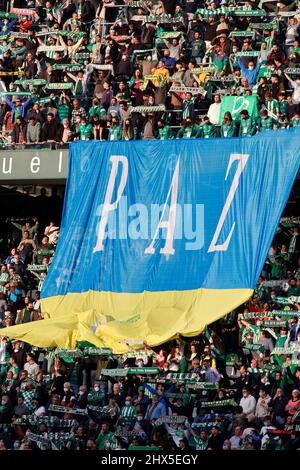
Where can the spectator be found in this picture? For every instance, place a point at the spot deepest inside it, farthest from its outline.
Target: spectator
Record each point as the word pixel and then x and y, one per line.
pixel 248 403
pixel 33 131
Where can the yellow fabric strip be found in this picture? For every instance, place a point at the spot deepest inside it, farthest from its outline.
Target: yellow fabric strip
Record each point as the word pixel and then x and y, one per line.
pixel 153 317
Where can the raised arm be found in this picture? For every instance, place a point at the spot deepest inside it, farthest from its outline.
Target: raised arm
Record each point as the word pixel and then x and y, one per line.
pixel 62 42
pixel 73 77
pixel 10 103
pixel 19 226
pixel 26 103
pixel 77 45
pixel 241 65
pixel 289 78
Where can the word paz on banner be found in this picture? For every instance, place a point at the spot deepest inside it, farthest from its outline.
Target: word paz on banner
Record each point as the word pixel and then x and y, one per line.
pixel 169 224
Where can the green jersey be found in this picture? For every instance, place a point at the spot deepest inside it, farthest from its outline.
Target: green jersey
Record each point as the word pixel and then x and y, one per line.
pixel 272 106
pixel 189 131
pixel 208 131
pixel 266 124
pixel 282 106
pixel 115 133
pixel 97 111
pixel 228 130
pixel 219 60
pixel 207 86
pixel 188 108
pixel 85 131
pixel 264 72
pixel 200 443
pixel 95 398
pixel 295 122
pixel 102 438
pixel 128 411
pixel 247 127
pixel 165 133
pixel 17 114
pixel 63 112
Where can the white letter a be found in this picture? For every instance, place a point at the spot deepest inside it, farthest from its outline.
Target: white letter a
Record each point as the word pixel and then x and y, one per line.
pixel 170 223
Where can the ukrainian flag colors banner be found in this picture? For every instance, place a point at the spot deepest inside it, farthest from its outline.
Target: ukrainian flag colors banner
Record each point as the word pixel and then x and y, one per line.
pixel 162 237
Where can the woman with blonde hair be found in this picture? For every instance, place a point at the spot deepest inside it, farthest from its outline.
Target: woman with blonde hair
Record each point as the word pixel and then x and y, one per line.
pixel 228 127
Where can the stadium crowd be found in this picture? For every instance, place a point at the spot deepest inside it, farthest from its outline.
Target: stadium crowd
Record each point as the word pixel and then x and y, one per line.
pixel 235 386
pixel 123 70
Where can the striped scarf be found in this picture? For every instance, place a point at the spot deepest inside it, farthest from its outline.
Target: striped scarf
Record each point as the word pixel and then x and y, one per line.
pixel 128 411
pixel 263 372
pixel 183 376
pixel 272 105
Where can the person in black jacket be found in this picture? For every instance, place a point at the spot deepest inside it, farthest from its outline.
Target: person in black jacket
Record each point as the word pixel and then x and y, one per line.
pixel 68 11
pixel 22 379
pixel 82 399
pixel 295 379
pixel 18 352
pixel 87 11
pixel 31 43
pixel 278 404
pixel 245 380
pixel 51 130
pixel 291 108
pixel 35 113
pixel 57 387
pixel 215 441
pixel 18 135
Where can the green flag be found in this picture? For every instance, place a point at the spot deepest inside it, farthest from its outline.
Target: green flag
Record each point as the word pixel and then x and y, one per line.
pixel 236 104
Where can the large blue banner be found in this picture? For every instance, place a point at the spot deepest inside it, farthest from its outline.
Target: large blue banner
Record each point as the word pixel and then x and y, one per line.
pixel 226 198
